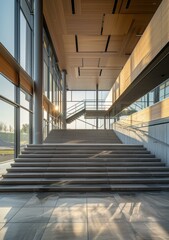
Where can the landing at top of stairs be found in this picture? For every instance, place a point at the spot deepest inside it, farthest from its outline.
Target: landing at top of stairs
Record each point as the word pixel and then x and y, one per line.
pixel 82 136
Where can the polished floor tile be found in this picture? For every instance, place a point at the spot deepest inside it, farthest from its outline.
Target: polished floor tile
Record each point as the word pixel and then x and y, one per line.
pixel 105 214
pixel 6 213
pixel 151 230
pixel 42 200
pixel 33 215
pixel 14 200
pixel 69 214
pixel 87 216
pixel 71 202
pixel 101 202
pixel 65 231
pixel 22 231
pixel 110 231
pixel 138 212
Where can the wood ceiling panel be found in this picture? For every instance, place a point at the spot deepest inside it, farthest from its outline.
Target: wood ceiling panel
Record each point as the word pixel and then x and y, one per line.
pixel 67 6
pixel 117 24
pixel 90 62
pixel 140 6
pixel 87 22
pixel 92 43
pixel 97 6
pixel 111 73
pixel 74 62
pixel 114 61
pixel 89 72
pixel 69 43
pixel 84 24
pixel 115 44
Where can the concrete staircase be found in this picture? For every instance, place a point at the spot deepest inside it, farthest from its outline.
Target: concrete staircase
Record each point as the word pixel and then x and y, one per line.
pixel 86 167
pixel 82 136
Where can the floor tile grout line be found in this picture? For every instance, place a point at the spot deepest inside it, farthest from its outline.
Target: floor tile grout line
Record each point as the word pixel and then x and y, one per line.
pixel 17 211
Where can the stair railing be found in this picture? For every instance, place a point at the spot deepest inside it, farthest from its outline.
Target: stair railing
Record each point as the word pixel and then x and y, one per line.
pixel 75 108
pixel 135 129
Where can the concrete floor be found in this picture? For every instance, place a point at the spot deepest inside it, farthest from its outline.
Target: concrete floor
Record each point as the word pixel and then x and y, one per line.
pixel 94 216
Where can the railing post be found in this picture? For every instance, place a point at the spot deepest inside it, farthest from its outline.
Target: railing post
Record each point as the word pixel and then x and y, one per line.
pixel 64 98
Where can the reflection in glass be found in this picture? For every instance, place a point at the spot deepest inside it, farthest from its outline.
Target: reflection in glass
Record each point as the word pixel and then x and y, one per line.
pixel 7 24
pixel 25 44
pixel 24 127
pixel 6 131
pixel 7 89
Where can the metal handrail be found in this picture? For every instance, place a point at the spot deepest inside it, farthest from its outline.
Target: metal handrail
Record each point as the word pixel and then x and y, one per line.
pixel 86 105
pixel 142 131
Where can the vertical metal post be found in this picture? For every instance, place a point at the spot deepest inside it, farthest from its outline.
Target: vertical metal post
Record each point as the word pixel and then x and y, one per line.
pixel 104 122
pixel 38 72
pixel 64 100
pixel 17 123
pixel 97 97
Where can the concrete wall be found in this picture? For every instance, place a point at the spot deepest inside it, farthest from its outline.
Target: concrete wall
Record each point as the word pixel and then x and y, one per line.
pixel 147 138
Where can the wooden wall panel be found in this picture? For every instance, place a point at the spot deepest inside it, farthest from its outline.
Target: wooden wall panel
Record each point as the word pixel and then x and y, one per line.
pixel 158 111
pixel 25 83
pixel 152 41
pixel 8 70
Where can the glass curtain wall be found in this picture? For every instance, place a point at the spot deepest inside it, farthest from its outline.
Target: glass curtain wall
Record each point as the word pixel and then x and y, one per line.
pixel 158 94
pixel 16 109
pixel 16 35
pixel 25 118
pixel 7 119
pixel 16 31
pixel 7 24
pixel 52 85
pixel 77 100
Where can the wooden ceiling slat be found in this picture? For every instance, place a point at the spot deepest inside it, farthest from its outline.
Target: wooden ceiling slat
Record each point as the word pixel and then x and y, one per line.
pixel 84 24
pixel 89 18
pixel 90 62
pixel 92 43
pixel 69 43
pixel 116 24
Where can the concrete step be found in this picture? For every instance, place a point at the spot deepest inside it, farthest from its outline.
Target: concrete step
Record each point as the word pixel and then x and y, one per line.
pixel 88 169
pixel 86 175
pixel 84 146
pixel 85 188
pixel 61 181
pixel 130 155
pixel 85 160
pixel 80 152
pixel 84 165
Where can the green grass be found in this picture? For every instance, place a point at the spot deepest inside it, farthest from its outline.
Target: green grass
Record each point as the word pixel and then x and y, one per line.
pixel 6 151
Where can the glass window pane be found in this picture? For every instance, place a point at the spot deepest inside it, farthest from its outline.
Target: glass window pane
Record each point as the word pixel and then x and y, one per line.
pixel 7 89
pixel 50 88
pixel 6 131
pixel 24 127
pixel 7 24
pixel 25 44
pixel 45 77
pixel 78 95
pixel 25 99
